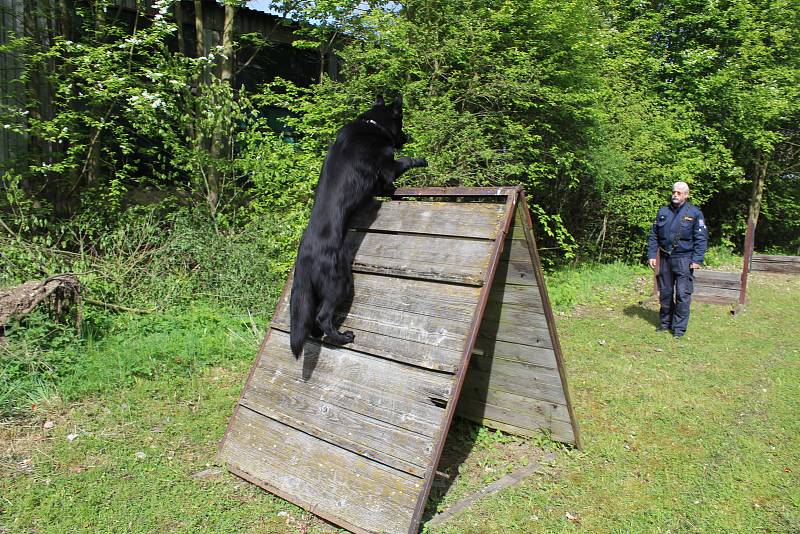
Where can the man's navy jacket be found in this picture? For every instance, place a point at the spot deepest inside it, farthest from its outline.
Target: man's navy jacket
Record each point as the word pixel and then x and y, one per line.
pixel 679 232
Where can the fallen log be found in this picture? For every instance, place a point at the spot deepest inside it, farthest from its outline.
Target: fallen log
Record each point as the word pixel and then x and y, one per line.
pixel 58 291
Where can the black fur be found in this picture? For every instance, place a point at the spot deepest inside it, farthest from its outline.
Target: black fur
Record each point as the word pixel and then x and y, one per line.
pixel 359 164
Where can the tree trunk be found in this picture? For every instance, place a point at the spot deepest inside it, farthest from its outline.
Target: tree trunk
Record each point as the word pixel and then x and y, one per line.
pixel 759 178
pixel 179 25
pixel 92 168
pixel 200 48
pixel 321 64
pixel 65 10
pixel 219 140
pixel 228 44
pixel 100 14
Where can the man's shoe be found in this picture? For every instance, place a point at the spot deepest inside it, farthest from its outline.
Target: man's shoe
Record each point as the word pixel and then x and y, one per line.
pixel 662 329
pixel 676 335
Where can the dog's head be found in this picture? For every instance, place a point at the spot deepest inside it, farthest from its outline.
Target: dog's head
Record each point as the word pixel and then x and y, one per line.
pixel 388 119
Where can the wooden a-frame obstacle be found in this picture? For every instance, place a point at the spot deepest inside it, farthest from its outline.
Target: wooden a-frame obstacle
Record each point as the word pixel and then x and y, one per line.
pixel 450 314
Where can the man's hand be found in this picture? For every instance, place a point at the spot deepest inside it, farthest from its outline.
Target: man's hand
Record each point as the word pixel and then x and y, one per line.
pixel 652 262
pixel 694 266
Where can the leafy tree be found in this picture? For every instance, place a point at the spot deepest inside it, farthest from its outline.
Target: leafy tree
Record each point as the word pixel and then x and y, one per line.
pixel 495 92
pixel 736 64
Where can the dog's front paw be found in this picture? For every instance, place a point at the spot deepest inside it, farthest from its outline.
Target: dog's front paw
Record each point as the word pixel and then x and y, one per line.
pixel 349 336
pixel 420 162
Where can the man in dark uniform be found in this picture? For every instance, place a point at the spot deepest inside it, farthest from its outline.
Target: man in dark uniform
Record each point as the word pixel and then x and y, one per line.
pixel 679 235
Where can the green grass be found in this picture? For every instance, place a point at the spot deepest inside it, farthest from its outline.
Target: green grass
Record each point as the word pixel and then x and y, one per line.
pixel 695 435
pixel 722 258
pixel 594 284
pixel 41 361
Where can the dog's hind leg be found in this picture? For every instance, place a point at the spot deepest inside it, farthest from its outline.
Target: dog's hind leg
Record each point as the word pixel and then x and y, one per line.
pixel 325 322
pixel 316 331
pixel 336 291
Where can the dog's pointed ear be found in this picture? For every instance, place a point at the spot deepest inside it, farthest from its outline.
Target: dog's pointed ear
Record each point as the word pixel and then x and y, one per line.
pixel 379 101
pixel 397 105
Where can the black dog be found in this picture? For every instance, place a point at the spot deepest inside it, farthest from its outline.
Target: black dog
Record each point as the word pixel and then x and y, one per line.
pixel 359 164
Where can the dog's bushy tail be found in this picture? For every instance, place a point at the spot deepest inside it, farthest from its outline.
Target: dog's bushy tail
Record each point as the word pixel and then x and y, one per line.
pixel 302 306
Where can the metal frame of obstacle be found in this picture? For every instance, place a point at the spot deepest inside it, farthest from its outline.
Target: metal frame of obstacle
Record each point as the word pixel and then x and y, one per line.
pixel 451 314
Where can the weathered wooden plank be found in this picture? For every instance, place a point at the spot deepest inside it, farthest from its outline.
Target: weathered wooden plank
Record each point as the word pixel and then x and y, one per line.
pixel 535 335
pixel 448 301
pixel 475 220
pixel 705 274
pixel 463 261
pixel 399 448
pixel 543 409
pixel 524 416
pixel 422 297
pixel 388 391
pixel 340 371
pixel 716 291
pixel 728 281
pixel 524 315
pixel 528 412
pixel 401 350
pixel 520 295
pixel 522 372
pixel 430 330
pixel 336 482
pixel 781 268
pixel 478 382
pixel 775 258
pixel 726 286
pixel 778 264
pixel 700 287
pixel 345 398
pixel 516 266
pixel 543 357
pixel 428 349
pixel 431 337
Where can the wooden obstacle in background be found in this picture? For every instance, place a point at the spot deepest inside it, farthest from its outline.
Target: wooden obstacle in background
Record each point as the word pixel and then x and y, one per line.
pixel 775 264
pixel 713 287
pixel 450 314
pixel 717 287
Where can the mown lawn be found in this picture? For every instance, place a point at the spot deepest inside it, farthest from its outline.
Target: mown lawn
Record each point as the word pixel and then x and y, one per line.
pixel 695 435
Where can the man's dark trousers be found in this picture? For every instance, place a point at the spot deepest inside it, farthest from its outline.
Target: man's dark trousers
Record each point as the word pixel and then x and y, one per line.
pixel 675 284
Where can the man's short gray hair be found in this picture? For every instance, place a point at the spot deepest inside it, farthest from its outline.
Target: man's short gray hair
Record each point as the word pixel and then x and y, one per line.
pixel 681 186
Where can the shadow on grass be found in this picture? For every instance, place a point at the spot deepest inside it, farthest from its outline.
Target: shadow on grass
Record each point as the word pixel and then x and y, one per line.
pixel 643 312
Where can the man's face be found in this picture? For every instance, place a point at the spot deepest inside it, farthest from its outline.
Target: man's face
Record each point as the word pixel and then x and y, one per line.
pixel 679 197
